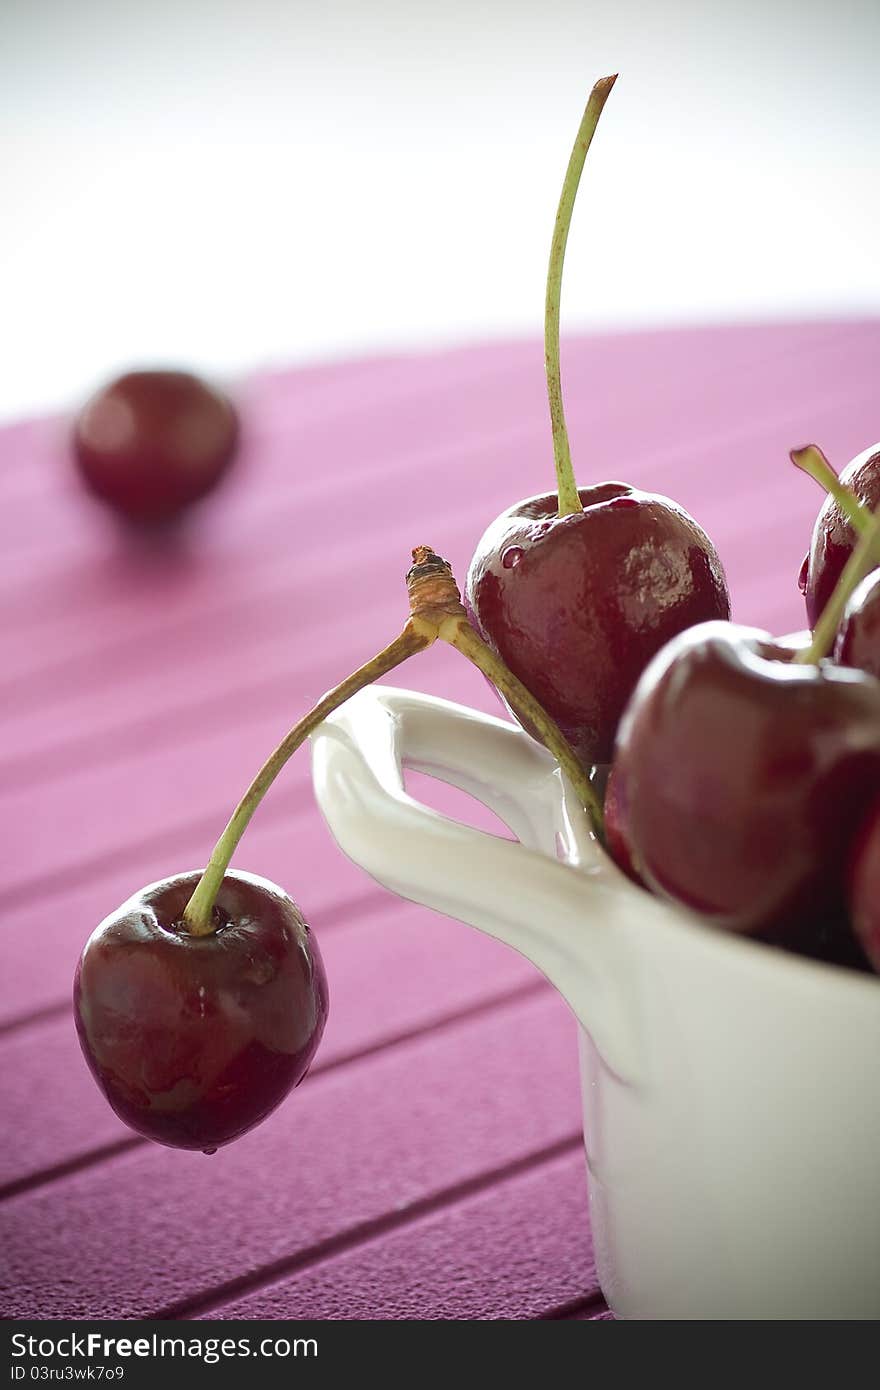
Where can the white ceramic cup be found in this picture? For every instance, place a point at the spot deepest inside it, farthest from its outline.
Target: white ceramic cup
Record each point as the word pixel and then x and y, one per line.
pixel 731 1091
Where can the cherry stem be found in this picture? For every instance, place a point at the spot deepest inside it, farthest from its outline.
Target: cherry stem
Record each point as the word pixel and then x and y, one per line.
pixel 452 626
pixel 860 562
pixel 524 705
pixel 566 486
pixel 812 461
pixel 198 915
pixel 436 611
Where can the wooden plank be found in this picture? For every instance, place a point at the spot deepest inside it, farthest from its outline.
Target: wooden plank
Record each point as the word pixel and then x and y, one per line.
pixel 512 1252
pixel 153 1227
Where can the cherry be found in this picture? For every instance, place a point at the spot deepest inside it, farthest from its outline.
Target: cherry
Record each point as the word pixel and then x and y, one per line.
pixel 834 535
pixel 858 637
pixel 152 442
pixel 576 590
pixel 831 939
pixel 864 886
pixel 196 1039
pixel 200 1002
pixel 616 842
pixel 589 598
pixel 743 773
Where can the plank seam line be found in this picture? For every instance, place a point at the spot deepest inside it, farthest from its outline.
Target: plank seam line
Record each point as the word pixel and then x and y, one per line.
pixel 364 1233
pixel 49 1013
pixel 45 1176
pixel 70 1166
pixel 570 1309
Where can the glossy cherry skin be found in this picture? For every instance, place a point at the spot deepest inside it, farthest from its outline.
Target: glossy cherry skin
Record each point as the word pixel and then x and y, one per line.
pixel 151 443
pixel 577 605
pixel 858 637
pixel 743 777
pixel 616 842
pixel 194 1040
pixel 833 537
pixel 864 886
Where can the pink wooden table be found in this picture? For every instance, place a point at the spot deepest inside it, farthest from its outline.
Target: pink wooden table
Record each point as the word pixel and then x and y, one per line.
pixel 431 1166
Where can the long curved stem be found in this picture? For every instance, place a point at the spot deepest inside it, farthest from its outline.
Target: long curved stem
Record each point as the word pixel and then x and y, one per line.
pixel 459 634
pixel 198 916
pixel 566 486
pixel 435 611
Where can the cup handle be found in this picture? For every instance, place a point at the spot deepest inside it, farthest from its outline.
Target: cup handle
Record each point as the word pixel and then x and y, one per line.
pixel 553 895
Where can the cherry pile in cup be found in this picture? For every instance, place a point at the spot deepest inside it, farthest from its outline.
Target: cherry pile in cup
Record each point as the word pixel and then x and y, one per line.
pixel 744 773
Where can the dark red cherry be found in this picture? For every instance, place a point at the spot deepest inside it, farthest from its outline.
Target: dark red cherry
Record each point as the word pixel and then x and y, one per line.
pixel 616 818
pixel 153 442
pixel 864 886
pixel 858 637
pixel 743 777
pixel 833 537
pixel 830 939
pixel 577 605
pixel 196 1039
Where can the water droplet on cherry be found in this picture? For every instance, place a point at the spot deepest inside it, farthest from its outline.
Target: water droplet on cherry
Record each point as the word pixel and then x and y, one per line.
pixel 804 576
pixel 209 1151
pixel 511 557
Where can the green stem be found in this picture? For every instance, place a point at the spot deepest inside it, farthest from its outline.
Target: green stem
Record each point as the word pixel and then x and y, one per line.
pixel 435 611
pixel 860 562
pixel 812 461
pixel 198 915
pixel 458 632
pixel 566 486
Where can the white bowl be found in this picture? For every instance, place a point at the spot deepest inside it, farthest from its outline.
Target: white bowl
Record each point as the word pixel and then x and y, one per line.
pixel 731 1092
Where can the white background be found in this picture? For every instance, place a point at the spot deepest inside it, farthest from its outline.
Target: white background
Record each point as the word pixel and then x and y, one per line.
pixel 229 184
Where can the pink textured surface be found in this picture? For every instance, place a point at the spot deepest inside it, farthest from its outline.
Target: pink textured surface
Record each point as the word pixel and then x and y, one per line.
pixel 356 1148
pixel 433 1159
pixel 485 1256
